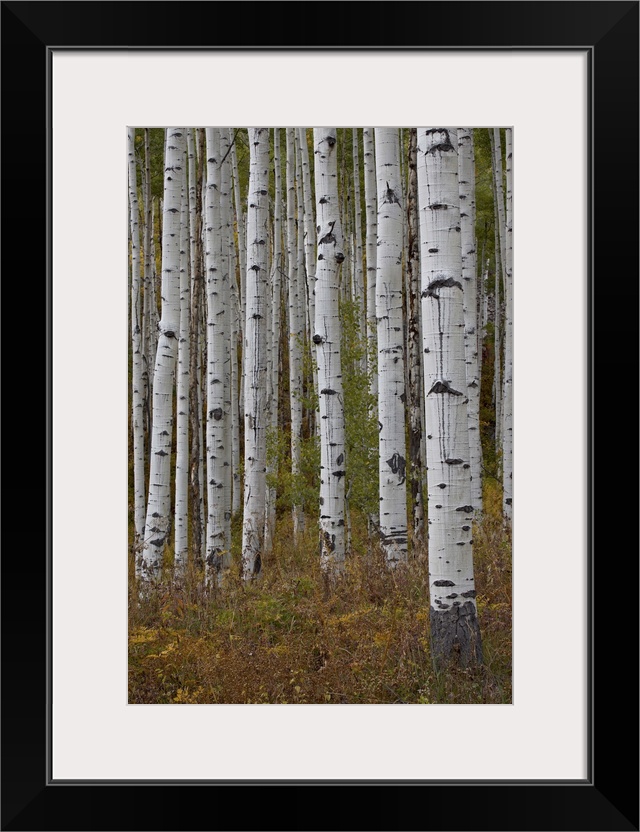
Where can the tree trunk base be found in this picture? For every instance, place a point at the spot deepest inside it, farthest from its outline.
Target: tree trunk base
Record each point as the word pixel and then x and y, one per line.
pixel 455 636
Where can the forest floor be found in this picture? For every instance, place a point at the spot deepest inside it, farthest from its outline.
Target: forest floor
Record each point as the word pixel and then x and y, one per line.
pixel 284 639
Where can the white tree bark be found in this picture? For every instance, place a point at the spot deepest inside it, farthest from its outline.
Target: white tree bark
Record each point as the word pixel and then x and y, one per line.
pixel 224 235
pixel 182 384
pixel 296 320
pixel 309 244
pixel 242 259
pixel 195 411
pixel 507 397
pixel 358 269
pixel 454 623
pixel 147 357
pixel 236 497
pixel 371 253
pixel 389 312
pixel 466 184
pixel 277 267
pixel 255 345
pixel 158 519
pixel 216 360
pixel 137 390
pixel 327 340
pixel 496 150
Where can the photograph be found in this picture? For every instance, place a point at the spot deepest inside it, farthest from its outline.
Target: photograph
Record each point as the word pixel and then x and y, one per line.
pixel 320 442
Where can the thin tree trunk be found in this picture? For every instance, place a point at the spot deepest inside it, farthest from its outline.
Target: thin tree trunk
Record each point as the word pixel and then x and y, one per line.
pixel 295 323
pixel 309 247
pixel 225 449
pixel 195 415
pixel 454 621
pixel 389 313
pixel 496 150
pixel 358 263
pixel 255 345
pixel 137 409
pixel 371 255
pixel 147 339
pixel 216 355
pixel 327 340
pixel 507 433
pixel 242 258
pixel 274 336
pixel 182 392
pixel 415 345
pixel 466 184
pixel 158 519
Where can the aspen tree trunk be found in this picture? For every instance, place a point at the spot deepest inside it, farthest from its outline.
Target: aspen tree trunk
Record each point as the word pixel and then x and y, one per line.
pixel 454 622
pixel 224 235
pixel 309 244
pixel 496 149
pixel 466 184
pixel 415 344
pixel 358 264
pixel 255 345
pixel 507 398
pixel 153 310
pixel 147 357
pixel 158 519
pixel 303 308
pixel 182 392
pixel 236 500
pixel 497 384
pixel 195 415
pixel 277 267
pixel 216 359
pixel 295 322
pixel 371 254
pixel 389 312
pixel 201 185
pixel 137 410
pixel 242 258
pixel 343 192
pixel 327 340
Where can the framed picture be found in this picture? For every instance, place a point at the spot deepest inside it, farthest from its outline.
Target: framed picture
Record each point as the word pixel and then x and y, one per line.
pixel 565 76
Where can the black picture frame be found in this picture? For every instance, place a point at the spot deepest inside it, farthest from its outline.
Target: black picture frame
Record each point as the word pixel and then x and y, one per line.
pixel 608 799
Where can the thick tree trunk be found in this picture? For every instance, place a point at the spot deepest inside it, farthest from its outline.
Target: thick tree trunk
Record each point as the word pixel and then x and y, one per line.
pixel 389 312
pixel 454 622
pixel 326 337
pixel 255 345
pixel 158 519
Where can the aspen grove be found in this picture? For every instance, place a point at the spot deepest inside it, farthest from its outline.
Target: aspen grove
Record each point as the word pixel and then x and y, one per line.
pixel 320 414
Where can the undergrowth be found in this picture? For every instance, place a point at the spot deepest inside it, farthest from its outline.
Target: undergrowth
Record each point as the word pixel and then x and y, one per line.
pixel 285 639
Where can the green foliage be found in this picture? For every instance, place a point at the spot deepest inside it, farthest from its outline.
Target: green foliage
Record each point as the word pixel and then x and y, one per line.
pixel 300 489
pixel 360 408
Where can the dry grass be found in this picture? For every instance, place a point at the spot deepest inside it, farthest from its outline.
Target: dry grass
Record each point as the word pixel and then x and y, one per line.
pixel 285 639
